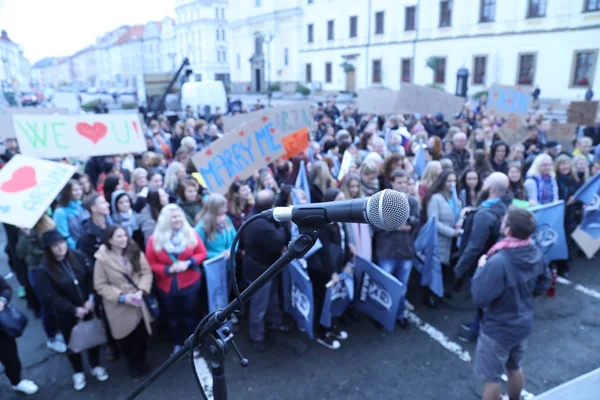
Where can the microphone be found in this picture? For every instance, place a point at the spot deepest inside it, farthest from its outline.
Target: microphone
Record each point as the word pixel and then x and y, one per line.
pixel 387 210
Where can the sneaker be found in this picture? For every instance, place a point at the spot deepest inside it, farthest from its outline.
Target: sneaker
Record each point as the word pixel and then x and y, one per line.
pixel 100 374
pixel 59 336
pixel 336 333
pixel 27 387
pixel 329 342
pixel 79 381
pixel 57 346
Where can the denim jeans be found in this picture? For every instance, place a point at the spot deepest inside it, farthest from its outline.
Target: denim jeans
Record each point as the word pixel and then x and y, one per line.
pixel 46 312
pixel 264 308
pixel 400 269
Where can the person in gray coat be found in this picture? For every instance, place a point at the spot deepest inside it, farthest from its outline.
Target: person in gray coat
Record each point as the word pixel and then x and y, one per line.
pixel 439 203
pixel 507 279
pixel 157 199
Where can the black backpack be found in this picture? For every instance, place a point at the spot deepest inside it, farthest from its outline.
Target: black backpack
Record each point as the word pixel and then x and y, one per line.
pixel 468 227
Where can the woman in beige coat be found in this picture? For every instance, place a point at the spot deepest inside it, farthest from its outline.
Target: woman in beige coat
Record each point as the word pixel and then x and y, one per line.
pixel 128 316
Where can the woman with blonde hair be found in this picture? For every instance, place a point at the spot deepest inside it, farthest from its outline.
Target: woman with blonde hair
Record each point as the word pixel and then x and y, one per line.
pixel 175 253
pixel 360 236
pixel 173 177
pixel 214 227
pixel 320 180
pixel 541 186
pixel 581 168
pixel 432 171
pixel 369 177
pixel 266 180
pixel 240 202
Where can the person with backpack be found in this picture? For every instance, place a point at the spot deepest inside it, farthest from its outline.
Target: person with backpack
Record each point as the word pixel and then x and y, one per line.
pixel 481 230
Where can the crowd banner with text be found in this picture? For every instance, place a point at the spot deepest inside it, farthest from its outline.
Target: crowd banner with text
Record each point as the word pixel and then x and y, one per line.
pixel 252 146
pixel 57 136
pixel 425 100
pixel 508 101
pixel 287 119
pixel 337 299
pixel 513 130
pixel 6 118
pixel 550 233
pixel 564 134
pixel 582 113
pixel 298 296
pixel 27 188
pixel 378 293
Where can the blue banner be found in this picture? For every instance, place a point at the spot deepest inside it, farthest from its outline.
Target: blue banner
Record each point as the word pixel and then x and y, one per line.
pixel 298 296
pixel 550 234
pixel 427 259
pixel 591 218
pixel 217 287
pixel 337 299
pixel 586 193
pixel 378 293
pixel 507 100
pixel 420 161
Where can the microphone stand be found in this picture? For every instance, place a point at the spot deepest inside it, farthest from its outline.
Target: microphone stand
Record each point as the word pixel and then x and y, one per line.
pixel 214 337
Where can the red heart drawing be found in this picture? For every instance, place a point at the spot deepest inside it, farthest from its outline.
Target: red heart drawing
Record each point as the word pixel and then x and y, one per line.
pixel 241 133
pixel 272 130
pixel 208 152
pixel 508 101
pixel 265 119
pixel 95 132
pixel 22 179
pixel 268 159
pixel 236 178
pixel 496 95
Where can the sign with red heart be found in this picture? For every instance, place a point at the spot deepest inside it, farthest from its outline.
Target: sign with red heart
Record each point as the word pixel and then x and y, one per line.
pixel 27 188
pixel 58 136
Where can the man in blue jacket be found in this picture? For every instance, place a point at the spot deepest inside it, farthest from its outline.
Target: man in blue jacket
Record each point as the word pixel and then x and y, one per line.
pixel 507 279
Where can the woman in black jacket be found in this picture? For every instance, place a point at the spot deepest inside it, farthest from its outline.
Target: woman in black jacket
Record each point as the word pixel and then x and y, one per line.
pixel 65 281
pixel 9 353
pixel 324 266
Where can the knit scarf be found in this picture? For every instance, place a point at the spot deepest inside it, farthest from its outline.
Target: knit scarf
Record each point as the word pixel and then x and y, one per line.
pixel 177 243
pixel 509 243
pixel 127 221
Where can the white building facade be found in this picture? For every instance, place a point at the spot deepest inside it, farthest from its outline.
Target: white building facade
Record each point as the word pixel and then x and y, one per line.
pixel 338 45
pixel 15 69
pixel 202 37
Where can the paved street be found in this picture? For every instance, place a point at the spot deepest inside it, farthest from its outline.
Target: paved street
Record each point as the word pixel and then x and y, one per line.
pixel 423 362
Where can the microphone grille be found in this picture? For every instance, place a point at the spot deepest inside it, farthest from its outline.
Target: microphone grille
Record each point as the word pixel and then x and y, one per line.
pixel 388 210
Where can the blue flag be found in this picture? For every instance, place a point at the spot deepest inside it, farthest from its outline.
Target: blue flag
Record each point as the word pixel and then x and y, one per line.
pixel 591 218
pixel 586 193
pixel 420 161
pixel 550 234
pixel 302 181
pixel 298 296
pixel 337 298
pixel 427 258
pixel 378 293
pixel 217 285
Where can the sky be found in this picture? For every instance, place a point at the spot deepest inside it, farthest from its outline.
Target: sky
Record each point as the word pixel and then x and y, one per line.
pixel 57 28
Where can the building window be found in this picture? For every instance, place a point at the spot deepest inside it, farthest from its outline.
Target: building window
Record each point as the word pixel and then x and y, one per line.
pixel 218 56
pixel 311 1
pixel 479 65
pixel 406 70
pixel 218 34
pixel 308 73
pixel 286 56
pixel 439 73
pixel 536 9
pixel 224 56
pixel 222 13
pixel 328 72
pixel 584 66
pixel 216 13
pixel 409 18
pixel 257 3
pixel 445 13
pixel 330 30
pixel 487 11
pixel 526 69
pixel 376 71
pixel 238 61
pixel 353 26
pixel 379 20
pixel 592 5
pixel 310 33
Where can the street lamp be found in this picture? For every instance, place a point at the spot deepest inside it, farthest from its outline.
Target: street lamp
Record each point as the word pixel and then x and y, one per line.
pixel 268 39
pixel 462 80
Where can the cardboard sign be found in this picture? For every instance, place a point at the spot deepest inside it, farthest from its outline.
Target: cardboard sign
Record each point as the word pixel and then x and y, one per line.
pixel 27 188
pixel 287 119
pixel 295 143
pixel 426 100
pixel 514 131
pixel 582 113
pixel 508 101
pixel 57 136
pixel 6 118
pixel 377 101
pixel 586 242
pixel 564 134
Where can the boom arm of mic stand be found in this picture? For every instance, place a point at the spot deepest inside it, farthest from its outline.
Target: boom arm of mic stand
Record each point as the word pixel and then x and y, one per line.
pixel 209 335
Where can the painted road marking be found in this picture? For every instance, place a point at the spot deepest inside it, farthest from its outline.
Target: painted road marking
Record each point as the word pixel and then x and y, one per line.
pixel 580 288
pixel 205 376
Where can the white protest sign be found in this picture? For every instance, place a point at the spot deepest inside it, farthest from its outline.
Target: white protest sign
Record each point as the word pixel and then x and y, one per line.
pixel 57 136
pixel 27 188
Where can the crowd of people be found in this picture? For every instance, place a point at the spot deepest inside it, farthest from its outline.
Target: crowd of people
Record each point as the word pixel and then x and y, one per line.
pixel 131 226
